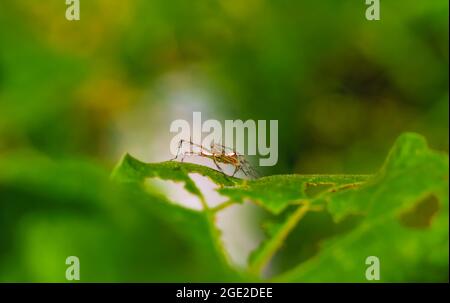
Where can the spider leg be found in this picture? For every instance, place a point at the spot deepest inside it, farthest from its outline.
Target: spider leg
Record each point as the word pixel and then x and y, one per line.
pixel 236 170
pixel 222 147
pixel 250 170
pixel 178 149
pixel 188 154
pixel 217 165
pixel 253 172
pixel 197 145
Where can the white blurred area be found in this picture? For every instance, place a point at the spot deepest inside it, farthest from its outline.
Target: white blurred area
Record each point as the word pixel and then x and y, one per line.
pixel 143 132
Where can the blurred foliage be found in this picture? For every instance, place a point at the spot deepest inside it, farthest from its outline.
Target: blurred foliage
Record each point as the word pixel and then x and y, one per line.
pixel 405 221
pixel 121 234
pixel 341 87
pixel 304 61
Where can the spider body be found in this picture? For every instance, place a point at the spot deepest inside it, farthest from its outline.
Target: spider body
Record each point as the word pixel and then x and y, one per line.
pixel 220 154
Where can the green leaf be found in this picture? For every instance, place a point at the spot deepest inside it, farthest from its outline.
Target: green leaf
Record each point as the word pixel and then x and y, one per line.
pixel 130 169
pixel 274 193
pixel 405 202
pixel 405 222
pixel 277 192
pixel 411 172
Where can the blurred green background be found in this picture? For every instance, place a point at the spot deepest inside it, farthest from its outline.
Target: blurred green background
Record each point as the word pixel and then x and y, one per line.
pixel 82 93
